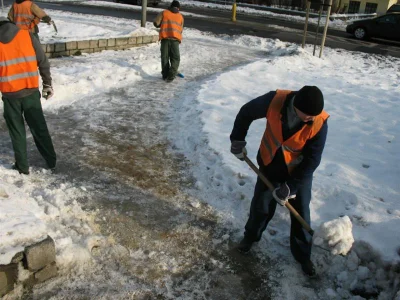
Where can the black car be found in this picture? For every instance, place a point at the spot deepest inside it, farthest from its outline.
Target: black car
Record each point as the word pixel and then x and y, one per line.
pixel 139 2
pixel 385 27
pixel 394 8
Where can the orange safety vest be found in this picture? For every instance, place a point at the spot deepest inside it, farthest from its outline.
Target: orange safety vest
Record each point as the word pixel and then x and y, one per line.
pixel 171 26
pixel 23 16
pixel 18 64
pixel 273 139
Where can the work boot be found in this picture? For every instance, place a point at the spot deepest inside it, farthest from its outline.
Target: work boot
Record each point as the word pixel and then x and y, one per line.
pixel 308 268
pixel 245 245
pixel 15 167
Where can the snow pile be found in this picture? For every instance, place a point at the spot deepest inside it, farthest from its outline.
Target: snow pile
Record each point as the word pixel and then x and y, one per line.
pixel 89 29
pixel 17 215
pixel 336 234
pixel 34 206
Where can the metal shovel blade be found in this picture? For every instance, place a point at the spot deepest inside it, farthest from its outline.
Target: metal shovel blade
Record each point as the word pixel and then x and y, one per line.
pixel 54 26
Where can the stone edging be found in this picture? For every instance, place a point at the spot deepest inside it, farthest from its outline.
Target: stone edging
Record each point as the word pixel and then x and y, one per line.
pixel 35 264
pixel 91 46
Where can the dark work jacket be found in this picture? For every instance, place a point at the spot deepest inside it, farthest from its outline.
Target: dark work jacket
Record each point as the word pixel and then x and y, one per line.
pixel 277 171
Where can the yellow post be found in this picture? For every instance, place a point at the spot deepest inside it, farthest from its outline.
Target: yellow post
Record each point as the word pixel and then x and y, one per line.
pixel 234 12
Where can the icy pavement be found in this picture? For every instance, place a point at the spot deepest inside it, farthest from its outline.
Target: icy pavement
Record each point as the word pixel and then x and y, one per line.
pixel 155 239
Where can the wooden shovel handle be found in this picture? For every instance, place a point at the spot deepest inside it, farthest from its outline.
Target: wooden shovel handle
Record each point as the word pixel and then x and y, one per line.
pixel 271 188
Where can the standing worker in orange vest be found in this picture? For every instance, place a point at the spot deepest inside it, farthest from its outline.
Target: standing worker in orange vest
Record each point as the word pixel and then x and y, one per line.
pixel 26 15
pixel 170 22
pixel 290 151
pixel 21 55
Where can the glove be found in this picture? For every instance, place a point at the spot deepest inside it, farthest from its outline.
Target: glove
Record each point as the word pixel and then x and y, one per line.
pixel 238 149
pixel 47 91
pixel 282 194
pixel 46 19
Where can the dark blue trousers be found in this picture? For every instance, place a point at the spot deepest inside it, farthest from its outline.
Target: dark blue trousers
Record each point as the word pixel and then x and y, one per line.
pixel 263 208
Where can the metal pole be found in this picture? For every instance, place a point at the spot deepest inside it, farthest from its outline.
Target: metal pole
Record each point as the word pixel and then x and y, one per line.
pixel 316 33
pixel 328 13
pixel 2 5
pixel 144 11
pixel 305 25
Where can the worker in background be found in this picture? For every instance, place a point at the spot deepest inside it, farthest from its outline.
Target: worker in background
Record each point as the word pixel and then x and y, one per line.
pixel 27 15
pixel 170 22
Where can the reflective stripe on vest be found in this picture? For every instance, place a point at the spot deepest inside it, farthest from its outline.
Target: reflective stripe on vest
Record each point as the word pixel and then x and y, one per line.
pixel 18 64
pixel 23 16
pixel 171 26
pixel 272 139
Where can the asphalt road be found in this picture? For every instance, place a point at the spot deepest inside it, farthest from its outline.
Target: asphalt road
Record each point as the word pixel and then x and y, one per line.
pixel 262 26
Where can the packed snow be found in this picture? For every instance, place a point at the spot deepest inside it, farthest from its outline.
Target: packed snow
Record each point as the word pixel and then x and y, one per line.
pixel 356 187
pixel 335 235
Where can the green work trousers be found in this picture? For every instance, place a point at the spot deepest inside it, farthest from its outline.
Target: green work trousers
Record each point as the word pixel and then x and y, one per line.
pixel 30 108
pixel 170 58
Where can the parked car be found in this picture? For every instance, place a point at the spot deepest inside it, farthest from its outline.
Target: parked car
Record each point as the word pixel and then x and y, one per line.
pixel 394 8
pixel 139 2
pixel 385 27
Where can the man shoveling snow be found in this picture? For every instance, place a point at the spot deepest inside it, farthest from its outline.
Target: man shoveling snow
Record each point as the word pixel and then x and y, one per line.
pixel 290 151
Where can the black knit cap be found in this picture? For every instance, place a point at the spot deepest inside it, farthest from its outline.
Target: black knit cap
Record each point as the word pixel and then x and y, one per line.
pixel 309 100
pixel 175 4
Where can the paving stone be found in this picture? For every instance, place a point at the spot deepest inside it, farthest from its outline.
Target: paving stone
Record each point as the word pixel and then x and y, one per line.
pixel 121 41
pixel 147 39
pixel 102 43
pixel 71 45
pixel 17 257
pixel 8 277
pixel 83 44
pixel 93 44
pixel 41 254
pixel 110 42
pixel 46 273
pixel 58 47
pixel 132 41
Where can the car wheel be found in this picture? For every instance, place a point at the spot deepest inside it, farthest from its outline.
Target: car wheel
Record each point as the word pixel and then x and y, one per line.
pixel 360 33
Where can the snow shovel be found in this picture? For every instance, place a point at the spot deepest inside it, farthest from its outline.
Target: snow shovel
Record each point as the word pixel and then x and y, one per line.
pixel 54 26
pixel 51 23
pixel 271 187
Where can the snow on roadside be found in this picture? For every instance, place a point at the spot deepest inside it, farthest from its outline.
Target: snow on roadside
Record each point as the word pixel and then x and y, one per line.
pixel 37 205
pixel 359 165
pixel 110 27
pixel 349 99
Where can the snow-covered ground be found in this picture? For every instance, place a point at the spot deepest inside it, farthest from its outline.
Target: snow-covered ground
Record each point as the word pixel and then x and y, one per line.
pixel 359 174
